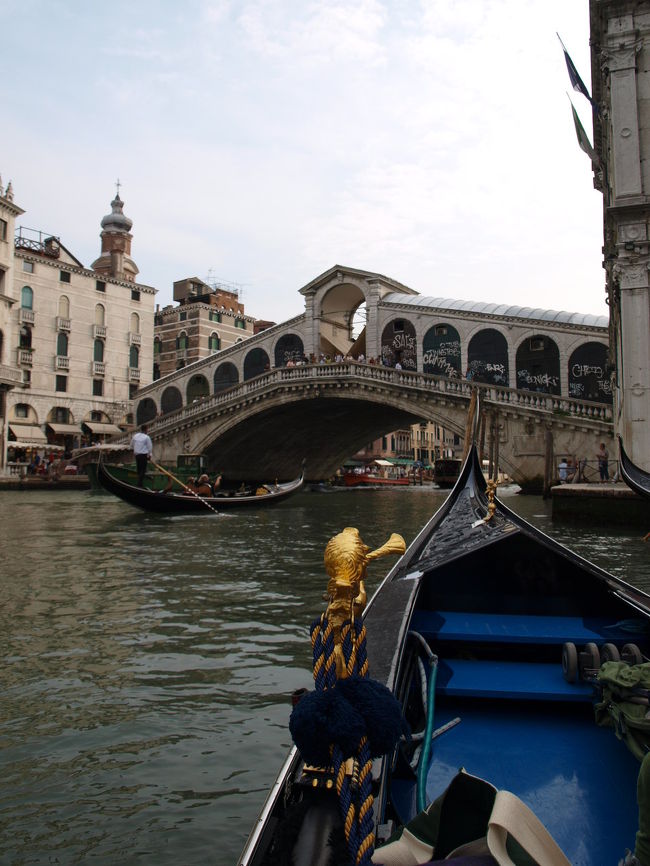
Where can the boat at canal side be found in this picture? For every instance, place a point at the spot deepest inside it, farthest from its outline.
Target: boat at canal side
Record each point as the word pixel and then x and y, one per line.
pixel 633 475
pixel 370 479
pixel 489 635
pixel 168 502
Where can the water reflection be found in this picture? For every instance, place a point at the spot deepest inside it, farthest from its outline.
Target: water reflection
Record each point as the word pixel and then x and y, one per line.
pixel 147 661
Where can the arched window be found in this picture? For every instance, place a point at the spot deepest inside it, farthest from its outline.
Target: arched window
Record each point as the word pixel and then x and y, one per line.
pixel 589 377
pixel 64 307
pixel 197 387
pixel 170 400
pixel 146 411
pixel 98 351
pixel 135 323
pixel 181 341
pixel 134 357
pixel 26 298
pixel 288 348
pixel 441 350
pixel 100 315
pixel 214 343
pixel 399 345
pixel 62 344
pixel 256 363
pixel 225 376
pixel 487 357
pixel 538 365
pixel 157 346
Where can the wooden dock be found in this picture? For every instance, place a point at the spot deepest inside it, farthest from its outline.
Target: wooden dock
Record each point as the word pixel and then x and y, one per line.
pixel 607 503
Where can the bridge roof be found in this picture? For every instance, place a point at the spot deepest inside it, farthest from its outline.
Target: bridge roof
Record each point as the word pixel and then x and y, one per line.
pixel 506 310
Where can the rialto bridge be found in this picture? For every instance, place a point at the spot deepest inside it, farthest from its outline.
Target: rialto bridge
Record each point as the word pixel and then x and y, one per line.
pixel 369 356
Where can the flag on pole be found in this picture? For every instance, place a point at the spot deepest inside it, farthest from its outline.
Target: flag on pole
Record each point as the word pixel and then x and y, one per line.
pixel 583 138
pixel 576 82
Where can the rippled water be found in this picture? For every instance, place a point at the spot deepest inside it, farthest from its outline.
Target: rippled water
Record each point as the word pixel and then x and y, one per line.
pixel 146 662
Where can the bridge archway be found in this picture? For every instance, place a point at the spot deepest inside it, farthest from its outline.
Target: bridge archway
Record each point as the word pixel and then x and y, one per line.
pixel 538 365
pixel 146 411
pixel 399 344
pixel 588 376
pixel 487 357
pixel 225 376
pixel 197 387
pixel 170 400
pixel 441 350
pixel 288 348
pixel 255 363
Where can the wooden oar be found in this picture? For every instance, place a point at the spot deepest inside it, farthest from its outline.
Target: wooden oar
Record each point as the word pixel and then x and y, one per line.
pixel 184 486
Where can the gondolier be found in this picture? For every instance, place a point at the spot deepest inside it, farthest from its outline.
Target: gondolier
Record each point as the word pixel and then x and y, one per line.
pixel 142 450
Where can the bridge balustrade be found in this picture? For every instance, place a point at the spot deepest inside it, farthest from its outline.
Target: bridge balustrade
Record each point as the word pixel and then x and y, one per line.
pixel 530 401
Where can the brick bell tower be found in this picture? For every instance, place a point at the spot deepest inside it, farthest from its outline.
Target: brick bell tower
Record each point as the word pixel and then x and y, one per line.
pixel 115 259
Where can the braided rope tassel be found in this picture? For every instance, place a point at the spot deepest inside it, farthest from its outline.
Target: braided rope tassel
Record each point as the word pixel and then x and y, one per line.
pixel 361 652
pixel 345 791
pixel 365 801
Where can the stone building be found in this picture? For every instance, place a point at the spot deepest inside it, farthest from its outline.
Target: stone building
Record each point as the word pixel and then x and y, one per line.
pixel 620 71
pixel 208 318
pixel 80 338
pixel 10 374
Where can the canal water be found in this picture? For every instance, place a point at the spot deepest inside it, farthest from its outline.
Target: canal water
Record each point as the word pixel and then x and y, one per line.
pixel 146 662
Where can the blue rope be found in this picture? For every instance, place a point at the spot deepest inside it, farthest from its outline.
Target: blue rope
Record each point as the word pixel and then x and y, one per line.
pixel 425 756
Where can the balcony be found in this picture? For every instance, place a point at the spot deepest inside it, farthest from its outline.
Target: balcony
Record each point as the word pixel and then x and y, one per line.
pixel 25 357
pixel 98 368
pixel 26 316
pixel 61 362
pixel 39 242
pixel 10 377
pixel 62 324
pixel 134 374
pixel 135 339
pixel 99 332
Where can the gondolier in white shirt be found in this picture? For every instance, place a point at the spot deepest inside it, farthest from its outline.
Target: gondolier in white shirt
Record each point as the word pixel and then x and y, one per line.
pixel 142 450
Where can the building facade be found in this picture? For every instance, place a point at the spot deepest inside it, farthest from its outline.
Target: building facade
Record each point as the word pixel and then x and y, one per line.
pixel 207 318
pixel 620 72
pixel 80 338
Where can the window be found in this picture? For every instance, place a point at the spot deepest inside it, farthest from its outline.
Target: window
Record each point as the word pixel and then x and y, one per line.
pixel 21 410
pixel 182 317
pixel 96 416
pixel 133 390
pixel 98 351
pixel 134 357
pixel 135 323
pixel 28 267
pixel 62 345
pixel 100 315
pixel 27 377
pixel 157 346
pixel 536 344
pixel 61 383
pixel 98 387
pixel 3 230
pixel 240 323
pixel 100 285
pixel 61 415
pixel 25 339
pixel 26 298
pixel 440 330
pixel 64 276
pixel 64 307
pixel 215 317
pixel 181 341
pixel 398 325
pixel 214 343
pixel 135 295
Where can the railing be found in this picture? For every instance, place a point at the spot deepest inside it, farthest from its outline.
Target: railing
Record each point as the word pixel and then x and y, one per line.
pixel 61 362
pixel 25 357
pixel 460 390
pixel 134 374
pixel 10 375
pixel 27 317
pixel 135 339
pixel 99 332
pixel 62 324
pixel 98 368
pixel 37 241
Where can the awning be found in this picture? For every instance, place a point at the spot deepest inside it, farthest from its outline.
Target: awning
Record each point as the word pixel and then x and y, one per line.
pixel 65 429
pixel 102 429
pixel 380 462
pixel 28 435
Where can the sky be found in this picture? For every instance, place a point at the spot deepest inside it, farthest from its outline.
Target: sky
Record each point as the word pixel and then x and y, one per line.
pixel 260 142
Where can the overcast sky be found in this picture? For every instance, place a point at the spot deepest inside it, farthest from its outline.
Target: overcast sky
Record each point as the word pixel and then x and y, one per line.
pixel 260 142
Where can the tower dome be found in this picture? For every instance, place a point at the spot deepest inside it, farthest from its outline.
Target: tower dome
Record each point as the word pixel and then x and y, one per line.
pixel 115 259
pixel 116 220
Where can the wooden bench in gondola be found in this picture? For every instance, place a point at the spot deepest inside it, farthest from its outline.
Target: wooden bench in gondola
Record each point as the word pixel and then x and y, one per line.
pixel 509 680
pixel 516 628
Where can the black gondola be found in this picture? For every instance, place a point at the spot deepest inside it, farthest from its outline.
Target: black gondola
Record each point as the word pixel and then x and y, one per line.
pixel 518 626
pixel 634 477
pixel 186 503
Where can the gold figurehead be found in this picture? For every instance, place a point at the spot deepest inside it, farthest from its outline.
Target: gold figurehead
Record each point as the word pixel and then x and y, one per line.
pixel 346 558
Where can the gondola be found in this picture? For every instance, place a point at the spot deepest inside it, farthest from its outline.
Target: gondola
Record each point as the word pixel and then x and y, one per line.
pixel 634 477
pixel 489 636
pixel 186 503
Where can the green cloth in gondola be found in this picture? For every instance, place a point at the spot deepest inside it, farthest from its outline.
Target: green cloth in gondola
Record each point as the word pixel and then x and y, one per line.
pixel 625 704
